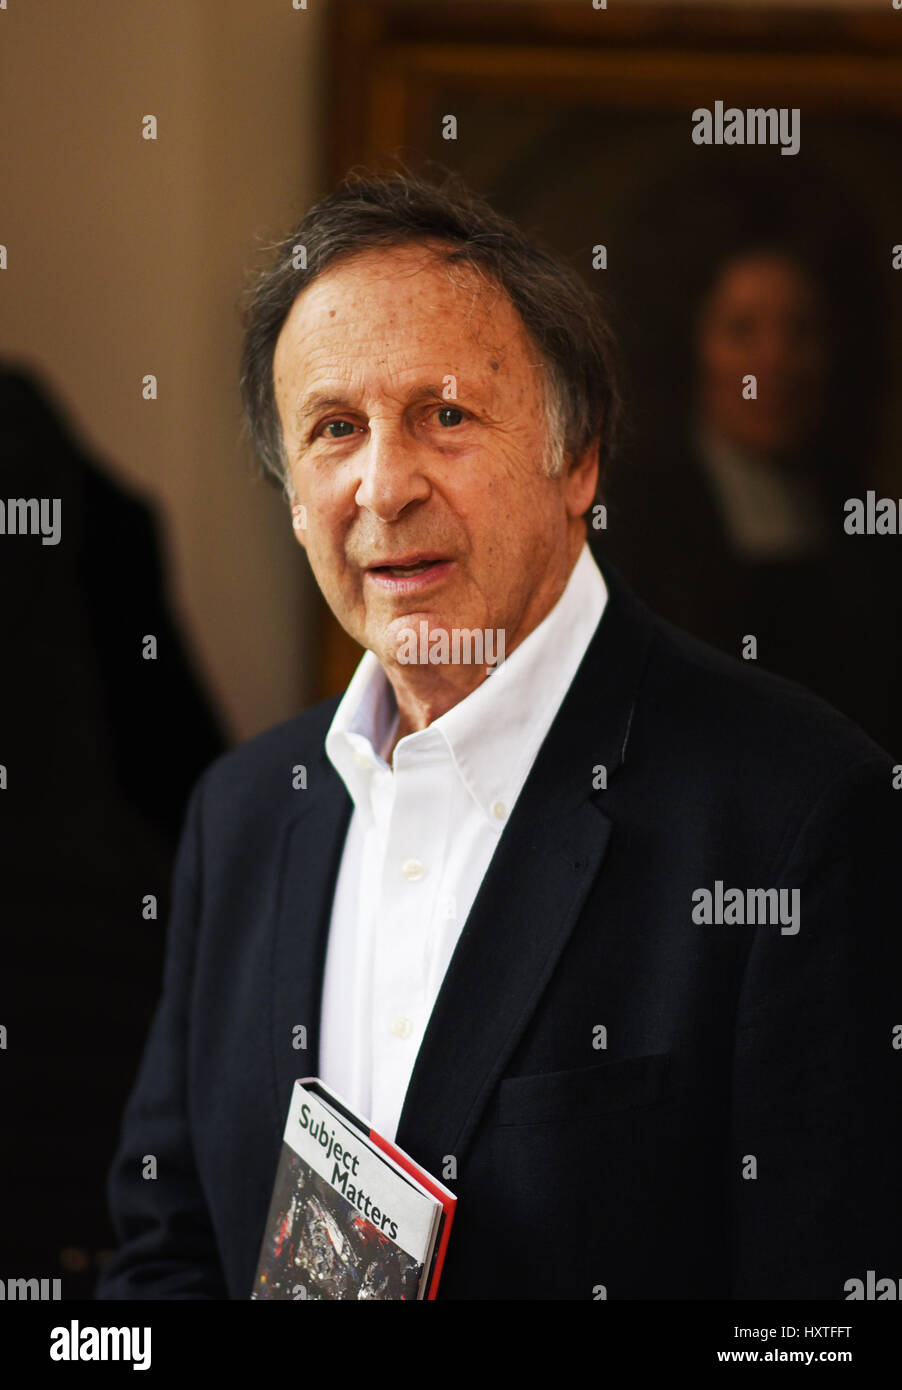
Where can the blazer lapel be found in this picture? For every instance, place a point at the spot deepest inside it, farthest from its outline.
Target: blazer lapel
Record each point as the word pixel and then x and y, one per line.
pixel 309 858
pixel 532 894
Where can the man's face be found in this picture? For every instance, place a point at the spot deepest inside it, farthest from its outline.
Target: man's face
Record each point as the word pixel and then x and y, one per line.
pixel 763 317
pixel 413 421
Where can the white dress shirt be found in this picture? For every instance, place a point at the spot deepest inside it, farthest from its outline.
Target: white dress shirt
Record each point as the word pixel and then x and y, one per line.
pixel 421 836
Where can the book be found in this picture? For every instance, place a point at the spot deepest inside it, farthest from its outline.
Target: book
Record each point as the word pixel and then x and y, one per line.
pixel 352 1216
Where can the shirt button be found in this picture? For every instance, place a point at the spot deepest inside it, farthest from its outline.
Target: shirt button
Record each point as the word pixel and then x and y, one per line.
pixel 499 810
pixel 412 869
pixel 402 1027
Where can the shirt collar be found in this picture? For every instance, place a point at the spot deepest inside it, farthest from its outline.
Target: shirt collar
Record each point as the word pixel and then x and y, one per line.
pixel 495 732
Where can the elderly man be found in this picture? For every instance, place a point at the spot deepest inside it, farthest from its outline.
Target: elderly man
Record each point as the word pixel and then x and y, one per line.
pixel 605 932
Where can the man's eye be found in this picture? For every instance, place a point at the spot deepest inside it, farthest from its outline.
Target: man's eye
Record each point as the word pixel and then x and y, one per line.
pixel 342 428
pixel 447 411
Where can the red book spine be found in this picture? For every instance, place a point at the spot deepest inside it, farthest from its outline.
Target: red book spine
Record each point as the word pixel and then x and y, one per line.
pixel 448 1204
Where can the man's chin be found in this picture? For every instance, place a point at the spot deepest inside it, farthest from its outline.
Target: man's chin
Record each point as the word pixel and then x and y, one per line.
pixel 408 640
pixel 430 640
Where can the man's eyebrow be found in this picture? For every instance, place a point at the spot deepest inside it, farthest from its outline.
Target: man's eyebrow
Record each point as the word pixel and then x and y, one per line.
pixel 317 401
pixel 327 400
pixel 436 391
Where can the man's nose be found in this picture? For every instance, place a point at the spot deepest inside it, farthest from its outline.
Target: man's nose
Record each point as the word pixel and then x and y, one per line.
pixel 392 471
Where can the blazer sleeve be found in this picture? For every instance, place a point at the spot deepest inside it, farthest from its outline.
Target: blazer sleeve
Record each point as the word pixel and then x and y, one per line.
pixel 817 1067
pixel 167 1246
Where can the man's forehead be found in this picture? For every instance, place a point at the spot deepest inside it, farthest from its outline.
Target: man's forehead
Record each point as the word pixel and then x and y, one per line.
pixel 403 290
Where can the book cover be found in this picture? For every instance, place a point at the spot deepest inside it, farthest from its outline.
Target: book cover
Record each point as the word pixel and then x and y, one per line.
pixel 351 1216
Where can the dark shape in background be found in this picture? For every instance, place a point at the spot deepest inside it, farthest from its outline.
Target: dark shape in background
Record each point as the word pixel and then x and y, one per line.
pixel 101 748
pixel 826 612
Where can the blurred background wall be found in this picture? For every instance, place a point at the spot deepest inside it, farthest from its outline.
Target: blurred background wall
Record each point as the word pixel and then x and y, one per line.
pixel 126 257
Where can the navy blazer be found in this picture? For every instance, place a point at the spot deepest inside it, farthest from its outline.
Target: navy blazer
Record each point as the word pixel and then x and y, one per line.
pixel 640 1105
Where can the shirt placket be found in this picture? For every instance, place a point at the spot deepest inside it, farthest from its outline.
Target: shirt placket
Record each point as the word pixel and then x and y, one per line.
pixel 411 879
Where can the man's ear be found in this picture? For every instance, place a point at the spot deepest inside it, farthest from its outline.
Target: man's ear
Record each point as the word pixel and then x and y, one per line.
pixel 582 478
pixel 299 523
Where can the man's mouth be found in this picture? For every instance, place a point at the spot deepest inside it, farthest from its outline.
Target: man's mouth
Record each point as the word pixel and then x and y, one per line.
pixel 405 570
pixel 403 576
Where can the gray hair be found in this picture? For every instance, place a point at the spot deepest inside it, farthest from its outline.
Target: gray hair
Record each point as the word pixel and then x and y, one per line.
pixel 562 318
